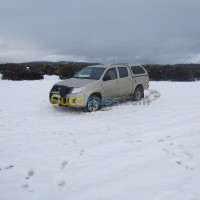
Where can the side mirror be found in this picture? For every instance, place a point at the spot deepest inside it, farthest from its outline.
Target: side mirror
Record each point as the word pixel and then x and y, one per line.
pixel 107 78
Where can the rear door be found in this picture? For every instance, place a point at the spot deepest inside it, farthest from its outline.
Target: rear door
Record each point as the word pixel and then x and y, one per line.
pixel 125 81
pixel 111 83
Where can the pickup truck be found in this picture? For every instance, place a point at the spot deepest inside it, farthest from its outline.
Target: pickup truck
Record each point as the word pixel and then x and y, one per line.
pixel 95 86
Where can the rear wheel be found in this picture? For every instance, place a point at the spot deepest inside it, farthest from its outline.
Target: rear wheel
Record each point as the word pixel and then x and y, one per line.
pixel 138 94
pixel 93 104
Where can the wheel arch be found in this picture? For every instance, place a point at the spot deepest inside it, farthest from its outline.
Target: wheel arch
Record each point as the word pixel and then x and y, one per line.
pixel 98 94
pixel 139 86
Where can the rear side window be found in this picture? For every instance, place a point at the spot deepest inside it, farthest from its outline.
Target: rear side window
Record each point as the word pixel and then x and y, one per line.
pixel 137 70
pixel 123 72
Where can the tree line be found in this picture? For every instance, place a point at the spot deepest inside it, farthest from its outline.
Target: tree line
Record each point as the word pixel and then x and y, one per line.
pixel 37 70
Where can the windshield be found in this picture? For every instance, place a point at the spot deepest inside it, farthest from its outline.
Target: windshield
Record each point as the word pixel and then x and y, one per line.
pixel 90 73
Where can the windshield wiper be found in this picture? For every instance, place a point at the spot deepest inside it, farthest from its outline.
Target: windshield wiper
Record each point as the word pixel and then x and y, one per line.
pixel 82 77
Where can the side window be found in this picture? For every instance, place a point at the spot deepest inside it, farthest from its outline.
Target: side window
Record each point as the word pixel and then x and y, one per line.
pixel 110 74
pixel 123 72
pixel 137 70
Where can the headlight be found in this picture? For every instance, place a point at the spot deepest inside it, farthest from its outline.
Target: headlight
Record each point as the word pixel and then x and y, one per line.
pixel 78 90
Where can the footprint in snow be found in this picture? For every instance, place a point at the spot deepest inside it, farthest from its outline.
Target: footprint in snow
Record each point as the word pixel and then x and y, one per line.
pixel 163 139
pixel 30 174
pixel 26 187
pixel 178 162
pixel 169 152
pixel 61 183
pixel 81 152
pixel 178 150
pixel 9 167
pixel 64 164
pixel 185 166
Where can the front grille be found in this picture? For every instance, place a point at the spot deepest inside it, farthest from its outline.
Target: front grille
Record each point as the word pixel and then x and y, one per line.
pixel 67 90
pixel 63 90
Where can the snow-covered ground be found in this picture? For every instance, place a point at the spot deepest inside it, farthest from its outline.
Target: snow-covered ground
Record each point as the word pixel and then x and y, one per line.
pixel 126 152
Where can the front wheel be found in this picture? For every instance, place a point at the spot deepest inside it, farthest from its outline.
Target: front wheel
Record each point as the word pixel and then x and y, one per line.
pixel 138 94
pixel 93 104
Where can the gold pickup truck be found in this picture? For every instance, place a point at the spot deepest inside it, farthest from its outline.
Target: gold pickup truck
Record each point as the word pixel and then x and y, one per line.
pixel 99 85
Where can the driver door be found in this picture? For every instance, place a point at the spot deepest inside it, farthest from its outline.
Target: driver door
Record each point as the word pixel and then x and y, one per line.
pixel 111 83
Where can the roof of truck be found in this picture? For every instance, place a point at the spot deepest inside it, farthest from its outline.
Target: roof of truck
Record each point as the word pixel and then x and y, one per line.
pixel 114 65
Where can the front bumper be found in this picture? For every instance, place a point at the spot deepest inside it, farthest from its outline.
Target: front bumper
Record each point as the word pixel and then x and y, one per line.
pixel 65 98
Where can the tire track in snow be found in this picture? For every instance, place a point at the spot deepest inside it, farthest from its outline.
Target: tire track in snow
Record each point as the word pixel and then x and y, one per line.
pixel 152 96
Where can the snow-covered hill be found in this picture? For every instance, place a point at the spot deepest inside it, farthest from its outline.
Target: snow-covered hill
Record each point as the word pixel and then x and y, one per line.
pixel 124 152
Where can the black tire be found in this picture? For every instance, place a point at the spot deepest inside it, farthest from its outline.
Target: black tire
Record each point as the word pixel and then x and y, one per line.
pixel 138 94
pixel 93 104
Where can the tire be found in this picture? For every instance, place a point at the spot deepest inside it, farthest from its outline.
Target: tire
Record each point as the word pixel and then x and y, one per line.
pixel 138 94
pixel 93 104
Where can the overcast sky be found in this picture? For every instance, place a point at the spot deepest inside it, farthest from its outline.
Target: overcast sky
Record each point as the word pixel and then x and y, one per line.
pixel 133 31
